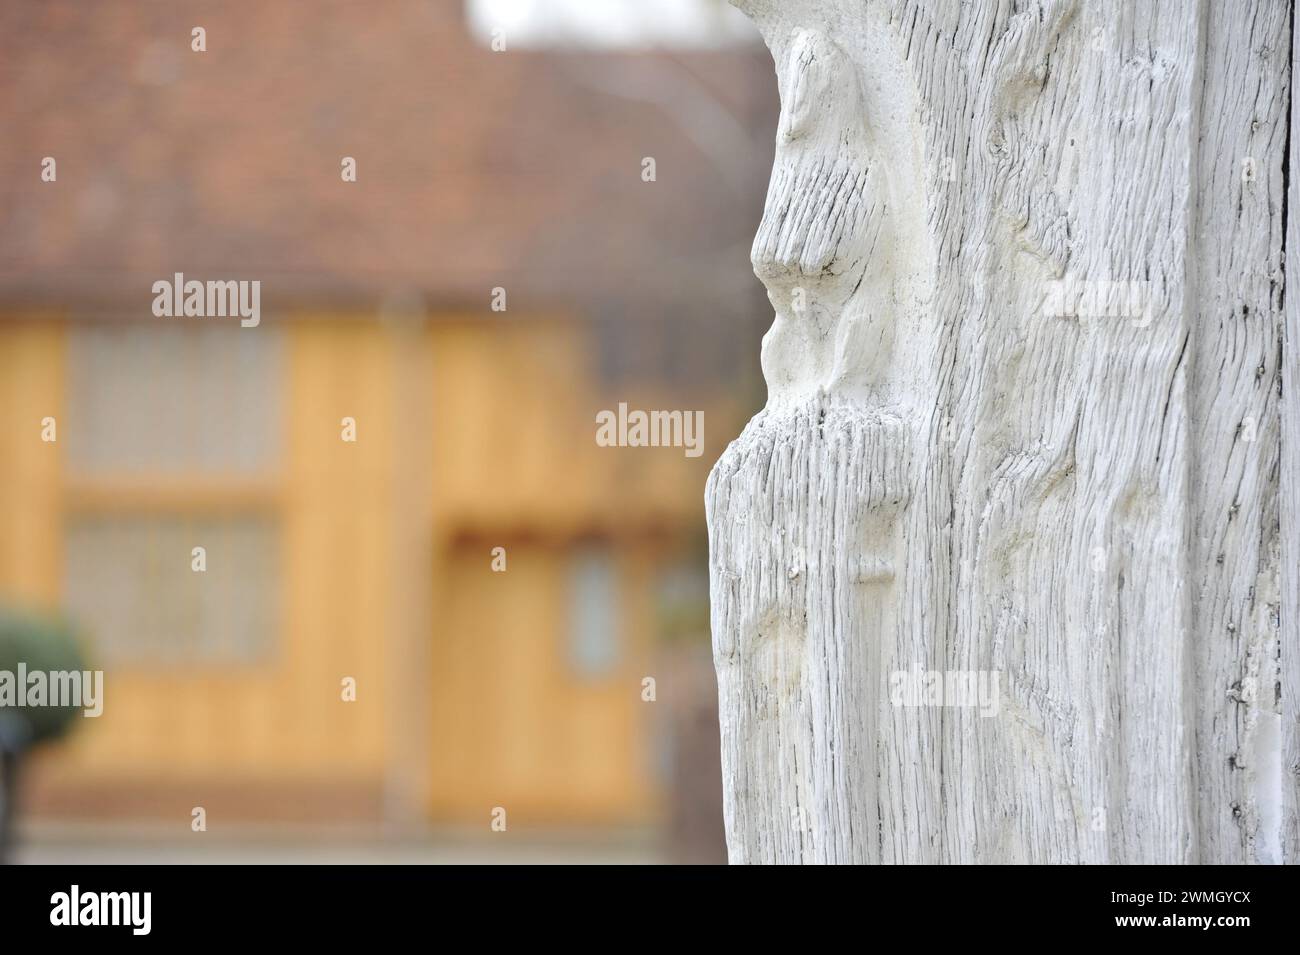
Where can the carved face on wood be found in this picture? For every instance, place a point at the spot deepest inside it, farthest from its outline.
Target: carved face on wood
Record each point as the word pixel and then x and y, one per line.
pixel 841 225
pixel 820 241
pixel 893 156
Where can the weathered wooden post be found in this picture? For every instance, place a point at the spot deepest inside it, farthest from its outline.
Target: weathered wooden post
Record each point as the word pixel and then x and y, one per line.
pixel 996 574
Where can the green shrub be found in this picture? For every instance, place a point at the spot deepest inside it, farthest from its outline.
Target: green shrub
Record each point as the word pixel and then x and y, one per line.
pixel 45 644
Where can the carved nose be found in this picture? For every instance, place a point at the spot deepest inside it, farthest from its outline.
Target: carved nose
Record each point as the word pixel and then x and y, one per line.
pixel 772 266
pixel 819 222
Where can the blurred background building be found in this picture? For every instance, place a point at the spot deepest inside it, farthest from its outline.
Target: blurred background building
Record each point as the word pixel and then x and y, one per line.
pixel 477 169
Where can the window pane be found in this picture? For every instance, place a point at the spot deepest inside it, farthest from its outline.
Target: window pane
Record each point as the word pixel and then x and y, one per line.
pixel 593 612
pixel 167 398
pixel 130 585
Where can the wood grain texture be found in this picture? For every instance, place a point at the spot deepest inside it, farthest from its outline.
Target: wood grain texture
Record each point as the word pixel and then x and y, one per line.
pixel 1289 640
pixel 1024 425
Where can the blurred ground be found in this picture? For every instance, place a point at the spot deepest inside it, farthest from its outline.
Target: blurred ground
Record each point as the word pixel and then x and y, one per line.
pixel 76 844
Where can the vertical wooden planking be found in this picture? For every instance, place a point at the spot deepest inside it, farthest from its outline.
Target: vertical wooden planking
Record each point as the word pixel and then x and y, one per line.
pixel 337 542
pixel 1235 280
pixel 1289 633
pixel 31 389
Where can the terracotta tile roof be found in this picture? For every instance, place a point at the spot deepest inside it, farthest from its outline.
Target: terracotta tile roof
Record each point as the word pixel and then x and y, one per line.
pixel 476 168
